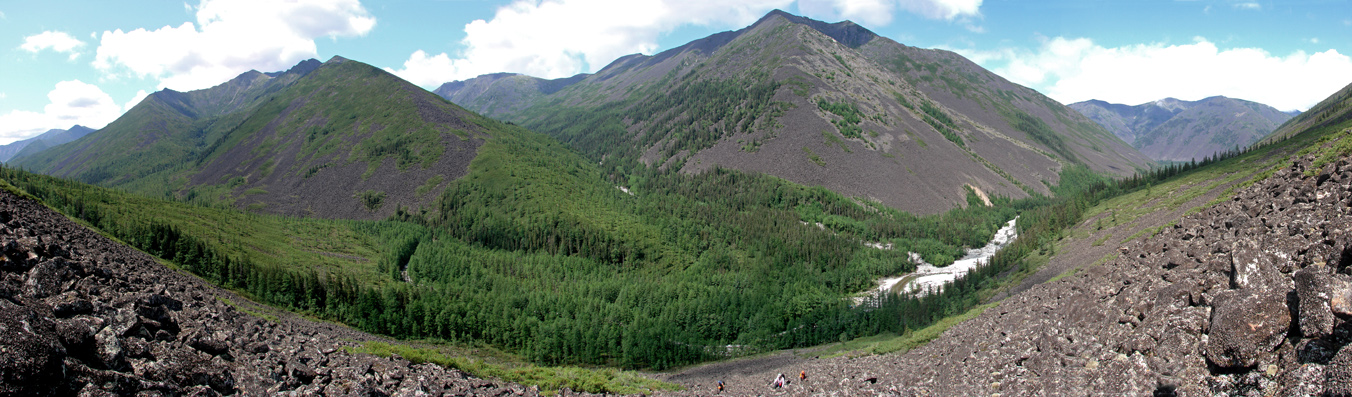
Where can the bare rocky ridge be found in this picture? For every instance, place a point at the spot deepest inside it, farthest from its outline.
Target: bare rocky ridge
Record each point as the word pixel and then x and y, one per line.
pixel 81 314
pixel 999 137
pixel 1249 297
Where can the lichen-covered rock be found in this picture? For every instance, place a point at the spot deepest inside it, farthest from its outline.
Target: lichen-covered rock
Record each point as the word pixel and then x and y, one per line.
pixel 1314 287
pixel 1338 374
pixel 30 351
pixel 1245 325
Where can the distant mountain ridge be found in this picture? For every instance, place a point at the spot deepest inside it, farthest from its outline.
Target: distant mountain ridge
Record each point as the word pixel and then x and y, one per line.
pixel 41 142
pixel 1175 130
pixel 337 139
pixel 824 104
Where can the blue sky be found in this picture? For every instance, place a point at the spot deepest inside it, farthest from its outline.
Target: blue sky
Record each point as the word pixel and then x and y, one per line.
pixel 87 62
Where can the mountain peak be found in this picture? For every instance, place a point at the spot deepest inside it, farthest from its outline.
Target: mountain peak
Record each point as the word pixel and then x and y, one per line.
pixel 303 68
pixel 846 32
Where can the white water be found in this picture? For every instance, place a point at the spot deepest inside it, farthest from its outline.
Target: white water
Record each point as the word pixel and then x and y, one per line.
pixel 927 277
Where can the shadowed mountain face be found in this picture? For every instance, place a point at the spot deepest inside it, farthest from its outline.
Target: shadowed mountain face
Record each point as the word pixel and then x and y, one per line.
pixel 41 142
pixel 338 139
pixel 1174 130
pixel 830 105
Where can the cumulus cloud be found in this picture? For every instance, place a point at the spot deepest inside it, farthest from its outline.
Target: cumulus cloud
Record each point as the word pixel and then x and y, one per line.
pixel 942 9
pixel 71 102
pixel 140 95
pixel 53 40
pixel 230 37
pixel 559 38
pixel 1073 70
pixel 868 12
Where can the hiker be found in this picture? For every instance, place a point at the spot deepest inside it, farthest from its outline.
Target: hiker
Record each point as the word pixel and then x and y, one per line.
pixel 720 386
pixel 802 376
pixel 779 381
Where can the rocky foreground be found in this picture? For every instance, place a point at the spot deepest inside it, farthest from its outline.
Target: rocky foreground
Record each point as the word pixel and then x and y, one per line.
pixel 83 315
pixel 1249 297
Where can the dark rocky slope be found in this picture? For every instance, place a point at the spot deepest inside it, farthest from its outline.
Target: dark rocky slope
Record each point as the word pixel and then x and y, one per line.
pixel 1247 297
pixel 81 314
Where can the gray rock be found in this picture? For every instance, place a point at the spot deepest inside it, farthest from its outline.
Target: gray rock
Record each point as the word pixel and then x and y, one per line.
pixel 32 353
pixel 1245 325
pixel 1314 286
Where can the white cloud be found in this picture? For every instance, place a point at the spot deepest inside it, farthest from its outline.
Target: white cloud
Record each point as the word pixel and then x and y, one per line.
pixel 1073 70
pixel 52 40
pixel 880 12
pixel 229 38
pixel 71 102
pixel 559 38
pixel 1248 6
pixel 868 12
pixel 1314 40
pixel 140 95
pixel 943 9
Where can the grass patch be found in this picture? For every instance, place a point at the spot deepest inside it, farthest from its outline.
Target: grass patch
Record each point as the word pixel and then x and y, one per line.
pixel 431 183
pixel 248 311
pixel 888 343
pixel 371 199
pixel 1100 241
pixel 549 379
pixel 814 157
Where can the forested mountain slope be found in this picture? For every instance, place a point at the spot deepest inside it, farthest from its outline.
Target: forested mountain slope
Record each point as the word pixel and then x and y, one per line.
pixel 1174 130
pixel 830 105
pixel 340 139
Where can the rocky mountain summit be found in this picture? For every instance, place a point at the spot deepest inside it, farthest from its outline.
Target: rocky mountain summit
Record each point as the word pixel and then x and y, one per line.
pixel 820 104
pixel 82 314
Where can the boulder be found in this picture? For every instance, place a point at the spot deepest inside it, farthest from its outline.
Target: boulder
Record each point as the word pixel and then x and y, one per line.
pixel 1314 288
pixel 32 353
pixel 1246 324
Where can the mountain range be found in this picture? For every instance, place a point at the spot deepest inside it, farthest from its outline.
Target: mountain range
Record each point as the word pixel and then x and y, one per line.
pixel 1174 130
pixel 41 142
pixel 830 105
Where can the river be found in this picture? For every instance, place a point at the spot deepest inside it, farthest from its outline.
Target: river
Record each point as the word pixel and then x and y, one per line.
pixel 927 277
